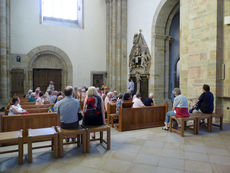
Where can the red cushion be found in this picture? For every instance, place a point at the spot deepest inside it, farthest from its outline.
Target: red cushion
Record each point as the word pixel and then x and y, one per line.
pixel 181 112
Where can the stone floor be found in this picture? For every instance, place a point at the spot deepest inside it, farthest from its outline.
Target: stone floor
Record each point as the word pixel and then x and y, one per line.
pixel 139 151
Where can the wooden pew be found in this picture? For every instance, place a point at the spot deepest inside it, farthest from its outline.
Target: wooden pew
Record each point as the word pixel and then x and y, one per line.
pixel 111 114
pixel 139 118
pixel 36 106
pixel 29 121
pixel 33 110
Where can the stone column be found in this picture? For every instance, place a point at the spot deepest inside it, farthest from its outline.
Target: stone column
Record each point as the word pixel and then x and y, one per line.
pixel 4 52
pixel 116 61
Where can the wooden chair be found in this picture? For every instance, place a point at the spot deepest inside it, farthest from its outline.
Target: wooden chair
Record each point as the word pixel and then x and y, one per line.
pixel 79 133
pixel 14 137
pixel 39 135
pixel 111 114
pixel 183 122
pixel 101 129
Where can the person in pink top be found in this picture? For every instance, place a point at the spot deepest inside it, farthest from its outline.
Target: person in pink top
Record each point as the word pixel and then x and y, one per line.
pixel 37 91
pixel 180 107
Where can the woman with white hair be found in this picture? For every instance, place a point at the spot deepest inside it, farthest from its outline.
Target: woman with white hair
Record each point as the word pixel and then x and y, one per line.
pixel 180 107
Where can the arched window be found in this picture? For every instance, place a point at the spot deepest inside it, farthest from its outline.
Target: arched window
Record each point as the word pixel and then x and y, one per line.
pixel 68 12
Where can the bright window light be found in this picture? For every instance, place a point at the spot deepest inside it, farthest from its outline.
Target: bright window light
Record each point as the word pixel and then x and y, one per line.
pixel 60 9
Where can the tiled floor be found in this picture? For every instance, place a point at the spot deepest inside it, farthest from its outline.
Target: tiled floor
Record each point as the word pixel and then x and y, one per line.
pixel 139 151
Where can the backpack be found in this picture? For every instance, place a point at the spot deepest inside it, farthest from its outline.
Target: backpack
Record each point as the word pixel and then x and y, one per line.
pixel 93 112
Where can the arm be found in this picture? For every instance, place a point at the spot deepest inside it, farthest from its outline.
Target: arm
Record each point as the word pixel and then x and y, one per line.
pixel 102 110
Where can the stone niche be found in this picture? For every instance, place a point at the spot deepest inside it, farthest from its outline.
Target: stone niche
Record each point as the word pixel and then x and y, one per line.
pixel 139 64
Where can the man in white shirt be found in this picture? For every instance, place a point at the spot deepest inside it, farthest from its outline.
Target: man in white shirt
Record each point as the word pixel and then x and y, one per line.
pixel 137 102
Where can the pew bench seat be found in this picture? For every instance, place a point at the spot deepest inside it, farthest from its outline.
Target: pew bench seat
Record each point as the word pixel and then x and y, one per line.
pixel 79 133
pixel 42 134
pixel 101 129
pixel 16 138
pixel 183 122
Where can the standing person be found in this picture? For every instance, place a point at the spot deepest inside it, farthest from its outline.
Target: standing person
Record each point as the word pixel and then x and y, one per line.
pixel 93 109
pixel 205 102
pixel 149 100
pixel 16 108
pixel 68 109
pixel 131 86
pixel 51 86
pixel 76 93
pixel 180 107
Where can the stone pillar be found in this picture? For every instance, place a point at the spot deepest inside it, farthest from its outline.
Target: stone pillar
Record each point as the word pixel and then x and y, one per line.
pixel 116 61
pixel 4 51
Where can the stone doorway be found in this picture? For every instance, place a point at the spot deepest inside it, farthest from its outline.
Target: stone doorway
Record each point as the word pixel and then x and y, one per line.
pixel 41 78
pixel 161 74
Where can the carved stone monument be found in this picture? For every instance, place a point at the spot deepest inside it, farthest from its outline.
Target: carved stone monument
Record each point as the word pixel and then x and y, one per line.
pixel 139 64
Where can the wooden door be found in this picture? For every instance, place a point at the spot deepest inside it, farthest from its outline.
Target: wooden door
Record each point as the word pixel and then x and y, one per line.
pixel 97 80
pixel 17 81
pixel 41 78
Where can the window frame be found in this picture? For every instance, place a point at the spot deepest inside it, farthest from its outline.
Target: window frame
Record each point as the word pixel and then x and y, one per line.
pixel 65 22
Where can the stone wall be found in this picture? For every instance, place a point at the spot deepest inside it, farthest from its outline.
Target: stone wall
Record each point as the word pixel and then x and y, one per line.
pixel 226 61
pixel 198 48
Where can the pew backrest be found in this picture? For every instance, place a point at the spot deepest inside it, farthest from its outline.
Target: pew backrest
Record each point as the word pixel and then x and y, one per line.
pixel 144 117
pixel 111 108
pixel 27 121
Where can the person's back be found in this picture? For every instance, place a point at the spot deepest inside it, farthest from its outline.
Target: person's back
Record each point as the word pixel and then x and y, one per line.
pixel 68 109
pixel 137 102
pixel 181 106
pixel 149 100
pixel 206 102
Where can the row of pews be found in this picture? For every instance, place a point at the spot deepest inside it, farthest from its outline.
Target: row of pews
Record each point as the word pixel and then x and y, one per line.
pixel 136 118
pixel 40 125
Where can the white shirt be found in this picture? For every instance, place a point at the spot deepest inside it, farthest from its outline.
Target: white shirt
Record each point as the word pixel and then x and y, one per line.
pixel 106 102
pixel 137 103
pixel 131 86
pixel 18 108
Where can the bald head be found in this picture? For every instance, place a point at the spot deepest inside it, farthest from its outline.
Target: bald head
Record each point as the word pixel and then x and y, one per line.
pixel 68 91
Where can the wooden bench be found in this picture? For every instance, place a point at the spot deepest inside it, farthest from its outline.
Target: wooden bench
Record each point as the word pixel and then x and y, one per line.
pixel 42 134
pixel 79 133
pixel 101 129
pixel 139 118
pixel 220 117
pixel 183 122
pixel 33 110
pixel 36 106
pixel 111 114
pixel 16 138
pixel 29 121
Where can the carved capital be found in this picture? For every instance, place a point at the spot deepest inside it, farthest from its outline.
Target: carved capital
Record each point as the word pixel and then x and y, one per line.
pixel 163 37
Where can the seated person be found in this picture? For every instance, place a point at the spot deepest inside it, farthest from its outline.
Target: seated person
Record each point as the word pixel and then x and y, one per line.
pixel 137 103
pixel 68 109
pixel 32 98
pixel 149 100
pixel 180 107
pixel 108 99
pixel 51 97
pixel 41 99
pixel 29 93
pixel 16 108
pixel 205 102
pixel 119 103
pixel 37 91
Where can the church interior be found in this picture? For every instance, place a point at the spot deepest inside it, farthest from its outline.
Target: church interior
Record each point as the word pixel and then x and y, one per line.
pixel 154 75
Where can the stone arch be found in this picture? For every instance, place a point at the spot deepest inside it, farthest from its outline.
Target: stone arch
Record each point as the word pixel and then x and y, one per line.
pixel 67 68
pixel 159 70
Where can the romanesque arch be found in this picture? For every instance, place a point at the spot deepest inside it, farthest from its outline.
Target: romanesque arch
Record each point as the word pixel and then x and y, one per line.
pixel 60 55
pixel 159 71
